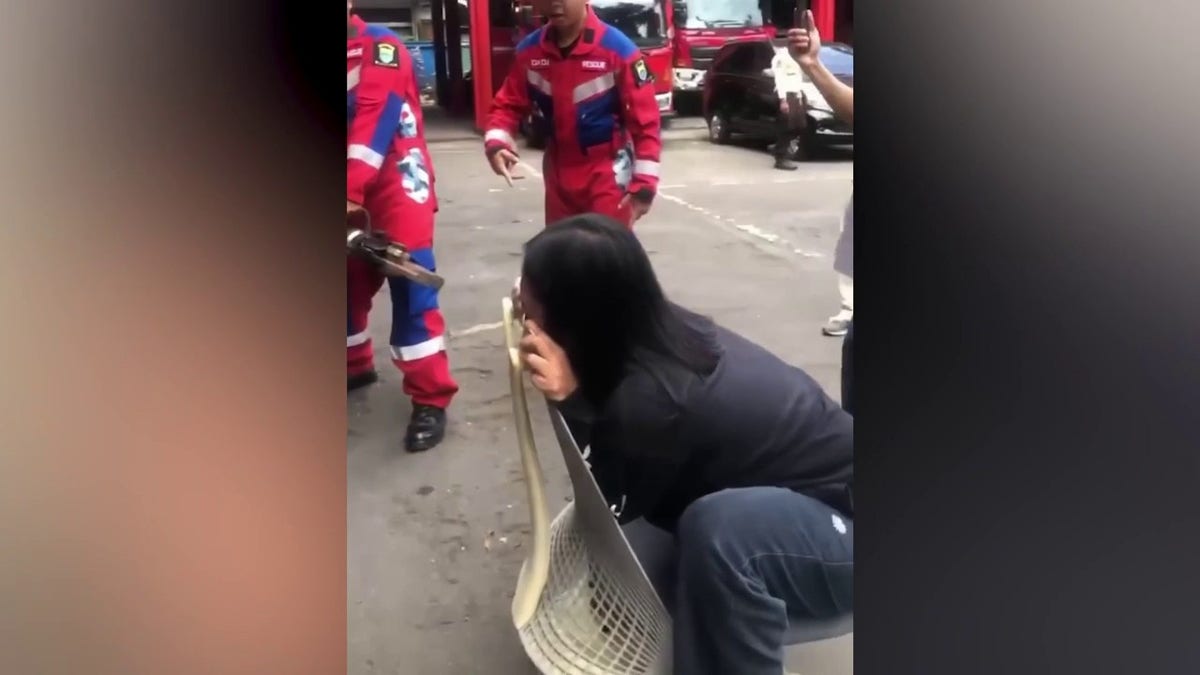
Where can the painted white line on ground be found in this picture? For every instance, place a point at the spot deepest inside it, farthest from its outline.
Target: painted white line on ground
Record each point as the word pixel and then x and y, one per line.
pixel 477 328
pixel 752 230
pixel 734 182
pixel 760 233
pixel 529 169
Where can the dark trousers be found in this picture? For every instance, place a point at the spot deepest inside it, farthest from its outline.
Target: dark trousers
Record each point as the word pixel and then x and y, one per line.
pixel 848 369
pixel 784 135
pixel 785 128
pixel 747 560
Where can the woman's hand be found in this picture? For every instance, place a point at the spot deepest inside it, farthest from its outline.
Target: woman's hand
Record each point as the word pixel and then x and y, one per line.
pixel 547 363
pixel 804 42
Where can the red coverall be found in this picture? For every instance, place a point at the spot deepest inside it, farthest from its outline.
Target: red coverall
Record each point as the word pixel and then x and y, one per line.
pixel 601 116
pixel 389 172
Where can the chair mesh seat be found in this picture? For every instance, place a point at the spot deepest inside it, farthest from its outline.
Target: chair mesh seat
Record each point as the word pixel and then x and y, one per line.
pixel 589 620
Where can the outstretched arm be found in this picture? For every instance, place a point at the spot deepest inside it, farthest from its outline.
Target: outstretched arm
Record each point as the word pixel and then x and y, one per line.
pixel 804 44
pixel 641 117
pixel 510 105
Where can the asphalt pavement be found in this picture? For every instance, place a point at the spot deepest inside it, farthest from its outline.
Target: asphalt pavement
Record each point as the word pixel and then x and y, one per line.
pixel 435 540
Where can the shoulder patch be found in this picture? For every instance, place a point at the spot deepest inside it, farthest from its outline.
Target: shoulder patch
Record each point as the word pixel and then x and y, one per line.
pixel 641 74
pixel 385 55
pixel 531 40
pixel 617 42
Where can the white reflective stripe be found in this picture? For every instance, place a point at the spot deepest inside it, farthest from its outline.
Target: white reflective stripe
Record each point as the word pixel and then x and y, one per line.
pixel 592 87
pixel 646 167
pixel 420 350
pixel 357 339
pixel 536 79
pixel 352 77
pixel 500 135
pixel 364 154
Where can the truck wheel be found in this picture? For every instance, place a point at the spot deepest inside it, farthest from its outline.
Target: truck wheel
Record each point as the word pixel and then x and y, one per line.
pixel 718 128
pixel 803 147
pixel 687 103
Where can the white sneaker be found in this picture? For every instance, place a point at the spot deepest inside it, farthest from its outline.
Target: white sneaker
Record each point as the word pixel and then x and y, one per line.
pixel 836 327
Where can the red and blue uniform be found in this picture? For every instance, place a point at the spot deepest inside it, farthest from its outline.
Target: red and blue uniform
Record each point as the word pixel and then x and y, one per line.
pixel 389 172
pixel 602 120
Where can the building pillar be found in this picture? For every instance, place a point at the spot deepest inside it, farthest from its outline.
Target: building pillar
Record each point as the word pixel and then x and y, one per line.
pixel 437 10
pixel 480 27
pixel 823 17
pixel 454 56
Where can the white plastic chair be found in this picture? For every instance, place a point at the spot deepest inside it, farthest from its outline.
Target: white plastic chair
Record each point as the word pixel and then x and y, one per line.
pixel 584 603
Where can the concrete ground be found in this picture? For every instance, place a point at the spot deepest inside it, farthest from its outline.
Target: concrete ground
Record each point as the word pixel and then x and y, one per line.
pixel 436 540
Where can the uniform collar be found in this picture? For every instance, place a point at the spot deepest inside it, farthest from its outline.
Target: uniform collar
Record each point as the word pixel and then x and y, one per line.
pixel 356 27
pixel 587 39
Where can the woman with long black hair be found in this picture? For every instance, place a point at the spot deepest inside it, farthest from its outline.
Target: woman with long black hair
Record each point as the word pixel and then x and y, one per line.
pixel 702 433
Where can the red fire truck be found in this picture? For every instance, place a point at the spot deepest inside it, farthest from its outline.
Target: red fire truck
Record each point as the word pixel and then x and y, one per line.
pixel 701 28
pixel 704 26
pixel 646 22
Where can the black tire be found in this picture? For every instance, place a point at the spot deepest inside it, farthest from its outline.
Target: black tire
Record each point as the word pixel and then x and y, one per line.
pixel 687 103
pixel 804 146
pixel 719 129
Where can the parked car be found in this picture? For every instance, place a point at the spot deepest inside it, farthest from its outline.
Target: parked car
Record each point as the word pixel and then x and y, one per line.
pixel 740 98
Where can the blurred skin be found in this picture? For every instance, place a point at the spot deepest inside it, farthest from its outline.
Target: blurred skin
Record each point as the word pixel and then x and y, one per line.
pixel 805 46
pixel 566 17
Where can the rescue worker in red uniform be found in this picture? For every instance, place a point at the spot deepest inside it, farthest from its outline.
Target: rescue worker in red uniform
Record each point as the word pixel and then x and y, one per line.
pixel 595 93
pixel 389 175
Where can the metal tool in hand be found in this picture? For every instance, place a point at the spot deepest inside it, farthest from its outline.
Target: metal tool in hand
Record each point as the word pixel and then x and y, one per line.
pixel 393 259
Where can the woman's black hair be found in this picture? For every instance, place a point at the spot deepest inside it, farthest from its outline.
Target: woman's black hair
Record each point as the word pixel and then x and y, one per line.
pixel 603 304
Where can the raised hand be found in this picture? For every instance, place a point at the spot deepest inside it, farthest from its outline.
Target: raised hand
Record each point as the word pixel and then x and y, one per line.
pixel 804 42
pixel 547 363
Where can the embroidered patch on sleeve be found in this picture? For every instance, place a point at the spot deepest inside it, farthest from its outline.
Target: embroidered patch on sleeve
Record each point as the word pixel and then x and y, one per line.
pixel 641 74
pixel 385 55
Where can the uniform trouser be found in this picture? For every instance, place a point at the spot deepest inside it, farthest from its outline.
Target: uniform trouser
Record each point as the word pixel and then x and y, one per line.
pixel 418 343
pixel 583 185
pixel 846 292
pixel 748 559
pixel 402 206
pixel 787 128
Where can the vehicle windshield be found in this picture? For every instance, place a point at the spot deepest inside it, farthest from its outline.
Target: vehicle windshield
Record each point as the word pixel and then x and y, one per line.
pixel 640 20
pixel 723 14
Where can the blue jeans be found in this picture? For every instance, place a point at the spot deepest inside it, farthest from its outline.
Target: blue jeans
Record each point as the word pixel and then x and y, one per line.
pixel 748 559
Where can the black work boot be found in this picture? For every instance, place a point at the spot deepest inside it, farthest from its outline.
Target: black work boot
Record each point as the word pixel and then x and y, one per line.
pixel 426 429
pixel 361 380
pixel 784 164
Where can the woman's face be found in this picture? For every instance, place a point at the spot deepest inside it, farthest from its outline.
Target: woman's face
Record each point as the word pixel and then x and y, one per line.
pixel 530 305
